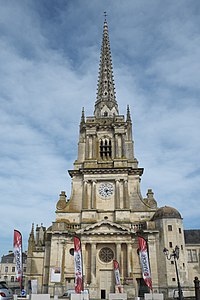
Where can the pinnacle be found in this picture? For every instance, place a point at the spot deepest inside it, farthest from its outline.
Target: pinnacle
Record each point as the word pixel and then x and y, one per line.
pixel 128 115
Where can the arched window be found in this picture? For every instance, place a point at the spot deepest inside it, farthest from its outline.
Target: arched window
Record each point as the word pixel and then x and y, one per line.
pixel 105 148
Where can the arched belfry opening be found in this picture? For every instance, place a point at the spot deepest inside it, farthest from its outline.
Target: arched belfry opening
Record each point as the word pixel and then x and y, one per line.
pixel 105 148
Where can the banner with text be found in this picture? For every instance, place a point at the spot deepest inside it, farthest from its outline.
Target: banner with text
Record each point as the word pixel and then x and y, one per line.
pixel 144 260
pixel 18 254
pixel 78 264
pixel 117 275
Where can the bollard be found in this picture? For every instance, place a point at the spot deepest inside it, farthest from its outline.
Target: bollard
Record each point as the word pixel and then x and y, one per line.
pixel 197 288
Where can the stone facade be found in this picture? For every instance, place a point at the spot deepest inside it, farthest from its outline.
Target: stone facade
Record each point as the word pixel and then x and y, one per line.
pixel 107 211
pixel 8 270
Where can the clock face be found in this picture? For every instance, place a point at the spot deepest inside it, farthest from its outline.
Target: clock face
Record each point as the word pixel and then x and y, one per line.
pixel 106 190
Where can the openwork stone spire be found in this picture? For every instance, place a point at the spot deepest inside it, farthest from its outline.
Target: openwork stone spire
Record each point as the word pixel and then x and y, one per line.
pixel 106 104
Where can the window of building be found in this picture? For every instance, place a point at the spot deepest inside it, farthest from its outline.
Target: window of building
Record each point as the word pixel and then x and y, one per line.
pixel 172 262
pixel 192 255
pixel 170 244
pixel 24 269
pixel 169 227
pixel 181 247
pixel 6 269
pixel 173 279
pixel 179 230
pixel 105 148
pixel 106 255
pixel 12 278
pixel 13 269
pixel 71 251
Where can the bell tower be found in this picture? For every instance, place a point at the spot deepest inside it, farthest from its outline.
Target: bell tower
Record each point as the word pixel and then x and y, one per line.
pixel 106 176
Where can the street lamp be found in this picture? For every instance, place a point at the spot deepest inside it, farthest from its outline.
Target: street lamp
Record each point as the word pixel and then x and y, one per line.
pixel 175 256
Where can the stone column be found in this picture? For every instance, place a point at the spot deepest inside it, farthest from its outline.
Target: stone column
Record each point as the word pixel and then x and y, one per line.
pixel 153 259
pixel 129 260
pixel 84 259
pixel 126 200
pixel 119 145
pixel 117 194
pixel 118 253
pixel 85 197
pixel 87 147
pixel 93 194
pixel 93 263
pixel 90 147
pixel 90 194
pixel 116 146
pixel 123 146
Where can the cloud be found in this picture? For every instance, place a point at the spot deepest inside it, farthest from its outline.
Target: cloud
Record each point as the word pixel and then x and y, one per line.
pixel 49 56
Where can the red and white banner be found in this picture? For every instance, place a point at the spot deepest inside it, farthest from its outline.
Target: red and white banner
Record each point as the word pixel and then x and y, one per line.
pixel 144 260
pixel 78 264
pixel 18 254
pixel 117 275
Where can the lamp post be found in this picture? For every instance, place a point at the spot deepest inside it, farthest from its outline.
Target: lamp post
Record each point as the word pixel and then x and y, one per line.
pixel 175 256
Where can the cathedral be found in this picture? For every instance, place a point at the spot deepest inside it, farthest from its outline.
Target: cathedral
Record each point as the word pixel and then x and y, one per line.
pixel 107 211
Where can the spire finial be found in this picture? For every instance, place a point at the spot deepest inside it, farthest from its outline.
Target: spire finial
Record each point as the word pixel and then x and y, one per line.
pixel 32 229
pixel 128 115
pixel 83 116
pixel 105 16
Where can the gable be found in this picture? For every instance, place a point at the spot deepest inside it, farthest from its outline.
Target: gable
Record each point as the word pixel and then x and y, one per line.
pixel 104 228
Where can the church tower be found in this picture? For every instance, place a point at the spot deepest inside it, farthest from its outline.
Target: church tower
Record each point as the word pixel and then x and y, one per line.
pixel 106 176
pixel 105 208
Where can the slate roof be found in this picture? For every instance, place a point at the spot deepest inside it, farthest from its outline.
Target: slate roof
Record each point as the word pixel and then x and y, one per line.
pixel 192 236
pixel 9 258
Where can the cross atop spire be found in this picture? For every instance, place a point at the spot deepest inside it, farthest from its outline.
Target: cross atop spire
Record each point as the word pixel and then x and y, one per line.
pixel 106 104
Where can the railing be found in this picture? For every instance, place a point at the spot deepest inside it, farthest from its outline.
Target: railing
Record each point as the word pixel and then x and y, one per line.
pixel 138 226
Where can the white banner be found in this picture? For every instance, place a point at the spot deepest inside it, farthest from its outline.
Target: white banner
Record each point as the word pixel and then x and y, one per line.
pixel 55 274
pixel 117 275
pixel 144 260
pixel 78 264
pixel 18 255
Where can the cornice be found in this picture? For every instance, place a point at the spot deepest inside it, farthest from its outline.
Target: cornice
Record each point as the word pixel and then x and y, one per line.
pixel 129 171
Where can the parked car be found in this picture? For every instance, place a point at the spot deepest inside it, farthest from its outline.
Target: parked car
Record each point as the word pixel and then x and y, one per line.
pixel 5 292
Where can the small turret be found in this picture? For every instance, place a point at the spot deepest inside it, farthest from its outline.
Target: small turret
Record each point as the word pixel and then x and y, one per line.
pixel 82 117
pixel 128 115
pixel 31 241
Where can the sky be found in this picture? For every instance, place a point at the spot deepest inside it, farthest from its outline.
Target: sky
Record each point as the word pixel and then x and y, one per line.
pixel 49 58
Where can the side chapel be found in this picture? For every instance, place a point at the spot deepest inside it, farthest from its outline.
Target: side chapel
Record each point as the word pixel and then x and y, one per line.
pixel 107 210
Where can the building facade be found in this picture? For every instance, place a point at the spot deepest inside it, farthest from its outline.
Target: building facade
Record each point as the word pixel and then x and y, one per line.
pixel 107 211
pixel 8 269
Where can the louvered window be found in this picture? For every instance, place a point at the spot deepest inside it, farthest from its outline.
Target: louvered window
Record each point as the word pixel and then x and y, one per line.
pixel 105 148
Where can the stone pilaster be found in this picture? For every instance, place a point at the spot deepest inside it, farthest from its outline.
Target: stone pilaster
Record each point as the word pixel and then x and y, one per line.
pixel 85 196
pixel 117 194
pixel 93 263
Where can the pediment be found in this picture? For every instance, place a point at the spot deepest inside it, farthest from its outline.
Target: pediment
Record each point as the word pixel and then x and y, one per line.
pixel 104 228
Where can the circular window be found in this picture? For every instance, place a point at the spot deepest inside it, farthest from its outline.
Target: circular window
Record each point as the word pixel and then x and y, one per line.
pixel 106 255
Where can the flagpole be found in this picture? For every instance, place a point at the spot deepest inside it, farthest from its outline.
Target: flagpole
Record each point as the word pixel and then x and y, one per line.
pixel 22 269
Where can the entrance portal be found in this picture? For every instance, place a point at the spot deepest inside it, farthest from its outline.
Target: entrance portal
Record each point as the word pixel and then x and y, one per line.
pixel 106 283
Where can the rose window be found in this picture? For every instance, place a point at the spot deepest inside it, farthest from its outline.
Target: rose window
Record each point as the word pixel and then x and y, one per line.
pixel 106 255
